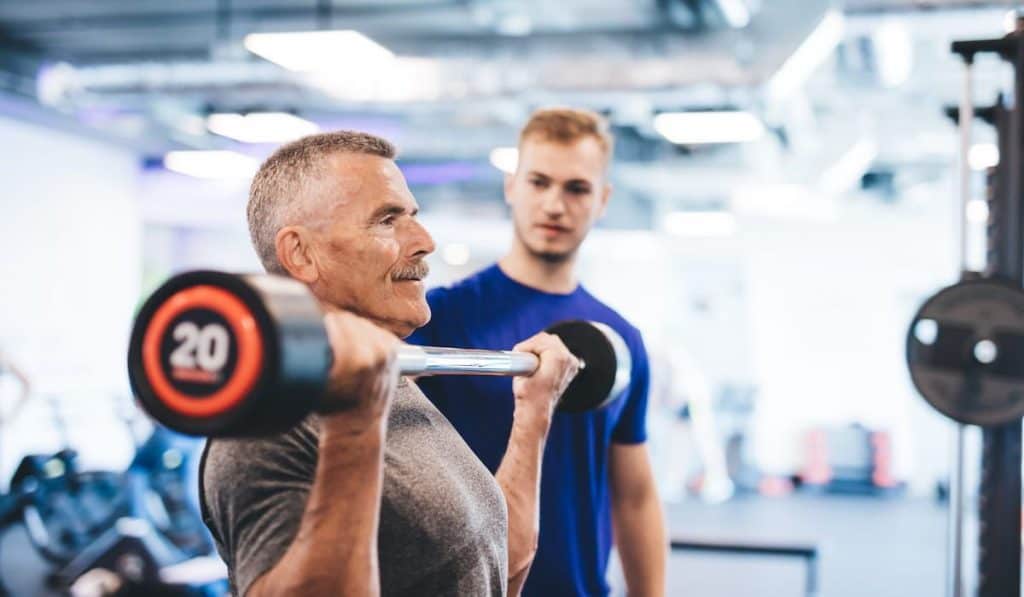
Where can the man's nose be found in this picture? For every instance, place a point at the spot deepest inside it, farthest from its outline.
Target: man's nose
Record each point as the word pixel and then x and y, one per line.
pixel 421 243
pixel 552 202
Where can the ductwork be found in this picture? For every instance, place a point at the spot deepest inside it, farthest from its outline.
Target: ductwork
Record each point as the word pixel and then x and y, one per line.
pixel 466 67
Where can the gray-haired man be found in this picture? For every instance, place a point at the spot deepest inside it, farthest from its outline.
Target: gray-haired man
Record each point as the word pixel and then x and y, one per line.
pixel 380 495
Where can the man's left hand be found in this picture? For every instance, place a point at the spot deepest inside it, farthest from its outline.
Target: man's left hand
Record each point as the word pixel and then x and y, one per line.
pixel 537 394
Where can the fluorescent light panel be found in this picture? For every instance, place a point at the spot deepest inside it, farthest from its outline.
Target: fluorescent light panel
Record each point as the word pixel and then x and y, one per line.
pixel 735 12
pixel 505 159
pixel 977 211
pixel 456 254
pixel 894 53
pixel 847 171
pixel 261 127
pixel 317 51
pixel 1010 21
pixel 401 79
pixel 814 50
pixel 983 156
pixel 219 165
pixel 693 128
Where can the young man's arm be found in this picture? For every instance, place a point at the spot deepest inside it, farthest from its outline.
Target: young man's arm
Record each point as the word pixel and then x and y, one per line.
pixel 519 472
pixel 638 521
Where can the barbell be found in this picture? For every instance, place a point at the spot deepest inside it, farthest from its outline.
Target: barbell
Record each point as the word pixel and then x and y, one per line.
pixel 219 354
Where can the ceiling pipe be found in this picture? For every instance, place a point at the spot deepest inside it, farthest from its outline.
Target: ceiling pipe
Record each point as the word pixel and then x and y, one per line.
pixel 468 67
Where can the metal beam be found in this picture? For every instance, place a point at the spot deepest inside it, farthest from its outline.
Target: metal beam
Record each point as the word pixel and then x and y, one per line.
pixel 179 18
pixel 869 7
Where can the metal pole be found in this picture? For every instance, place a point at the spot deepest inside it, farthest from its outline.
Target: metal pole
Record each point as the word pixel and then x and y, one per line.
pixel 954 556
pixel 429 360
pixel 999 491
pixel 954 553
pixel 966 119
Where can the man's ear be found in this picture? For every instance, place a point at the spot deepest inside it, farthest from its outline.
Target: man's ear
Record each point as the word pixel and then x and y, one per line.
pixel 605 195
pixel 296 253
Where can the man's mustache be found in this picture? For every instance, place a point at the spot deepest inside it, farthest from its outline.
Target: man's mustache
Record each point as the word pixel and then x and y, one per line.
pixel 413 271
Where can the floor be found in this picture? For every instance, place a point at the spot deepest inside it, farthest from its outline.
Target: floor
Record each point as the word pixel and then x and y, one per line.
pixel 869 547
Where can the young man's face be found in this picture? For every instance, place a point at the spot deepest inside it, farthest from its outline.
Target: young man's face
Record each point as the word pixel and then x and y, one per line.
pixel 556 194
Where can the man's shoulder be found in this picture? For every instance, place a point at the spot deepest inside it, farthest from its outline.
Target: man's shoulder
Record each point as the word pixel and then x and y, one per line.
pixel 471 286
pixel 597 310
pixel 225 460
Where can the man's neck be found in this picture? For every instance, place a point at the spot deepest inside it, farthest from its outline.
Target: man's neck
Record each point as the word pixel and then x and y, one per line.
pixel 546 276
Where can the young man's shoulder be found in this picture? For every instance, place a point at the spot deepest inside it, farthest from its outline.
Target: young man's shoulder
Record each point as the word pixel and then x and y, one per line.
pixel 471 285
pixel 603 312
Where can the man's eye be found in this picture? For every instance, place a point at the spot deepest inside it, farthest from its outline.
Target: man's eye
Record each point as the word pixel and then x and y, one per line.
pixel 579 190
pixel 388 220
pixel 538 183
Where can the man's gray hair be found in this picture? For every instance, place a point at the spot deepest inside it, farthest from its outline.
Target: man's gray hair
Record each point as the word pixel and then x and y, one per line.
pixel 283 182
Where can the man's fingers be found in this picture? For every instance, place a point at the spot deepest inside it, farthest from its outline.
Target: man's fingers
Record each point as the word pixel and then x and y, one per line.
pixel 538 343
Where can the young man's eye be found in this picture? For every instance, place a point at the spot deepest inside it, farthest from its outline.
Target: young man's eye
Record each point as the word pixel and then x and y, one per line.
pixel 538 183
pixel 579 190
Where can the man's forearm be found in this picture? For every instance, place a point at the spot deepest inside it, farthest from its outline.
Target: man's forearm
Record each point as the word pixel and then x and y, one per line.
pixel 335 549
pixel 519 478
pixel 642 544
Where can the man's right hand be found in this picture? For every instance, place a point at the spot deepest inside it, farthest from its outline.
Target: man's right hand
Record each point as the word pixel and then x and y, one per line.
pixel 364 373
pixel 334 551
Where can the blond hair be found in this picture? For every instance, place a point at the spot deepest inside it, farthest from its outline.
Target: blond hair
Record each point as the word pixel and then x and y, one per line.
pixel 282 184
pixel 569 125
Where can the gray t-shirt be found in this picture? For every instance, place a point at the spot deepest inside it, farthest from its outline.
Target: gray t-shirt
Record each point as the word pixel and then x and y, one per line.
pixel 443 521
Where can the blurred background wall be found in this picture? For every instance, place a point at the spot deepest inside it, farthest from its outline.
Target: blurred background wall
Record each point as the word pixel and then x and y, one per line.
pixel 771 246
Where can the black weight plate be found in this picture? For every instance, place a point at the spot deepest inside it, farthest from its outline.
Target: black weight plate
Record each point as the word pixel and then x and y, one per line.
pixel 595 385
pixel 965 351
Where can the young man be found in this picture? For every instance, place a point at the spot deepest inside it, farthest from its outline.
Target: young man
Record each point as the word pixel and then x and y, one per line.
pixel 377 494
pixel 597 476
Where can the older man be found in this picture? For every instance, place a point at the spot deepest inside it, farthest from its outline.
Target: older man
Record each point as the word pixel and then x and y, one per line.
pixel 379 494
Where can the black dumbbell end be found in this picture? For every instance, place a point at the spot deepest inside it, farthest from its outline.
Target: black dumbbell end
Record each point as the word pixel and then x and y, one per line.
pixel 606 373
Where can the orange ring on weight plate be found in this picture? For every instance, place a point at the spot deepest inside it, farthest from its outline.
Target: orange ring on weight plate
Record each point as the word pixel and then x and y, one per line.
pixel 248 340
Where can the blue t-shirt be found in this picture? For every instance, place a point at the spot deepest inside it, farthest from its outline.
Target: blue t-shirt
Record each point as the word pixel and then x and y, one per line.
pixel 491 311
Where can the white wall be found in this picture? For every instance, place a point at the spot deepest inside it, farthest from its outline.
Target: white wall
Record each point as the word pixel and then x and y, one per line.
pixel 70 240
pixel 829 305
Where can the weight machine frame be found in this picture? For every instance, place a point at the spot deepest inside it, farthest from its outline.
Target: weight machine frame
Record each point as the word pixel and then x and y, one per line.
pixel 999 491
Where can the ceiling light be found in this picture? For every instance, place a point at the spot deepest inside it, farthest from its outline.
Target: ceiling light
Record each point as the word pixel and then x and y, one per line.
pixel 814 50
pixel 312 51
pixel 700 223
pixel 211 164
pixel 54 82
pixel 691 128
pixel 983 156
pixel 894 53
pixel 401 79
pixel 735 12
pixel 977 211
pixel 847 171
pixel 515 24
pixel 1010 21
pixel 456 254
pixel 505 159
pixel 261 127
